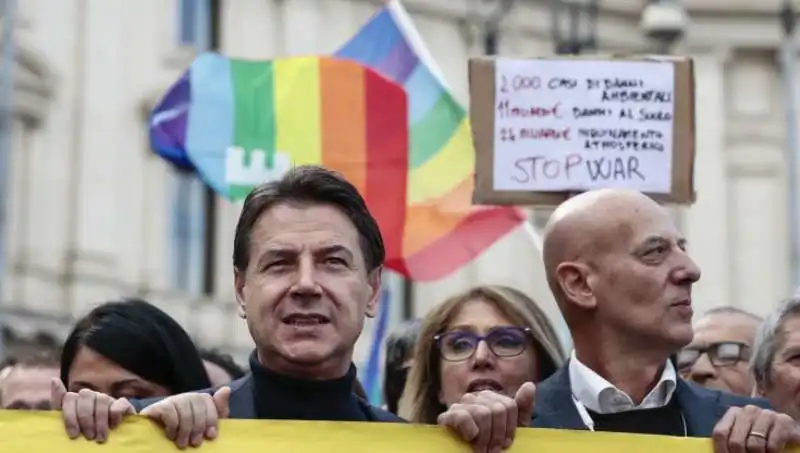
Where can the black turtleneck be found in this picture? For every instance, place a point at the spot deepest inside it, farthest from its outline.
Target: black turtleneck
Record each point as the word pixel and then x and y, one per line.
pixel 281 397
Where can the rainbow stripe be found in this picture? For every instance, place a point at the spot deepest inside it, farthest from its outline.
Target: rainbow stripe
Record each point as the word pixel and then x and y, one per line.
pixel 247 122
pixel 443 231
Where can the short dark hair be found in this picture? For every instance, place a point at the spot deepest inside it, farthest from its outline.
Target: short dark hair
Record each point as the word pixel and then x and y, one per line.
pixel 224 361
pixel 309 184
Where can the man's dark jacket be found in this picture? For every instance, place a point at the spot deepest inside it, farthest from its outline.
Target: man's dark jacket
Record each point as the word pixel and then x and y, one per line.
pixel 702 408
pixel 242 403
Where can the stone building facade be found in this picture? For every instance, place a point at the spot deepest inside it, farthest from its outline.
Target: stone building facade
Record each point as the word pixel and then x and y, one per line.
pixel 91 215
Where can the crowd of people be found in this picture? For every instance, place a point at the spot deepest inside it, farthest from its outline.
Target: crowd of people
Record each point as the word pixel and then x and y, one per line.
pixel 307 262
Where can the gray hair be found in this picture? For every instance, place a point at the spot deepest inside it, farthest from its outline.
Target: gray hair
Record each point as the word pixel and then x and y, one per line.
pixel 766 343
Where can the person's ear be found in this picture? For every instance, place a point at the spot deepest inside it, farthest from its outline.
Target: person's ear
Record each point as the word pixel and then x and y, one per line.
pixel 239 283
pixel 374 281
pixel 575 280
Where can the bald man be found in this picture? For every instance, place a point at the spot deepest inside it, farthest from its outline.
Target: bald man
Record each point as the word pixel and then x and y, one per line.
pixel 620 272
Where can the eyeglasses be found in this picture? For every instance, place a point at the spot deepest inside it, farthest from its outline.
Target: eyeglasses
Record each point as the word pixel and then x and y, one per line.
pixel 460 345
pixel 720 354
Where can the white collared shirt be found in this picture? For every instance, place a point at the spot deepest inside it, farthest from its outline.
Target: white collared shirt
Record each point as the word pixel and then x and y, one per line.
pixel 593 392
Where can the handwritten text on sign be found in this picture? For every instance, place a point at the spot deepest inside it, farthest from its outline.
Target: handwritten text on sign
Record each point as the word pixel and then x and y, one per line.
pixel 578 125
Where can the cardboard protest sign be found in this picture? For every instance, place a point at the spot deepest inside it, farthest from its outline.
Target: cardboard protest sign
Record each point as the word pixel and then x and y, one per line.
pixel 550 127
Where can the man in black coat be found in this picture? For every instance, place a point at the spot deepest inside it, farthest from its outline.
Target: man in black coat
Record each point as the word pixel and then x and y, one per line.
pixel 307 261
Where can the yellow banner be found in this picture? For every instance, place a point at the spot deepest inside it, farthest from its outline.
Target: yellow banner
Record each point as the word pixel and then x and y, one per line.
pixel 43 432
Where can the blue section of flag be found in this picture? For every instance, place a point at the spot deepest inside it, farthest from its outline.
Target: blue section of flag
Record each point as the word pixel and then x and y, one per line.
pixel 372 377
pixel 168 124
pixel 374 41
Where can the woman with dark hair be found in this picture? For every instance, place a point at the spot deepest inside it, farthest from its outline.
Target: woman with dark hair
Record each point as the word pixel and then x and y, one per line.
pixel 131 349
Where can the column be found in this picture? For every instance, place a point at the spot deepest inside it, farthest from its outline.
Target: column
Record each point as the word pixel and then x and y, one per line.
pixel 705 223
pixel 103 126
pixel 757 167
pixel 49 150
pixel 16 216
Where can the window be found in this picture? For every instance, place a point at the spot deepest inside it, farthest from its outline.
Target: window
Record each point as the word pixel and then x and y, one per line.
pixel 188 224
pixel 192 232
pixel 194 23
pixel 193 205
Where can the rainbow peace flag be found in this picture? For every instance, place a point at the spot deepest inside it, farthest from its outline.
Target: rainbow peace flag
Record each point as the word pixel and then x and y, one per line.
pixel 443 231
pixel 241 123
pixel 403 139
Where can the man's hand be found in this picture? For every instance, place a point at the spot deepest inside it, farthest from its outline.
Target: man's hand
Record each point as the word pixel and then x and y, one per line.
pixel 90 413
pixel 751 429
pixel 488 420
pixel 190 418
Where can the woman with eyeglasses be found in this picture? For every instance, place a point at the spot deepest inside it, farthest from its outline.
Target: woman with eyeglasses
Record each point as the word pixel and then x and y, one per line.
pixel 487 338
